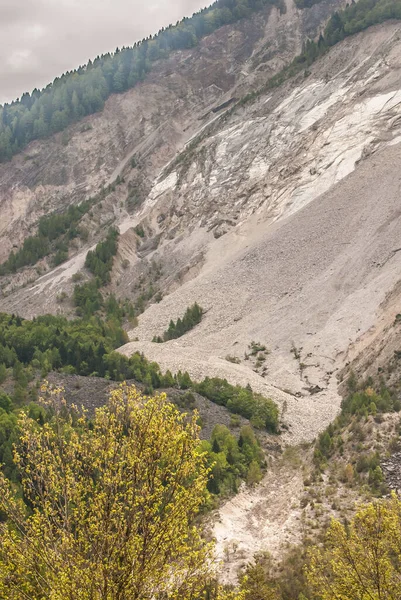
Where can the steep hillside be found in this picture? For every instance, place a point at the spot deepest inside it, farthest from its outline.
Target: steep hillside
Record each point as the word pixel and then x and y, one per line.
pixel 151 121
pixel 303 185
pixel 278 215
pixel 272 218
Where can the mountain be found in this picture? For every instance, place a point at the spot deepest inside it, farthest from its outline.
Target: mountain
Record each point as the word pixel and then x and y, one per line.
pixel 256 174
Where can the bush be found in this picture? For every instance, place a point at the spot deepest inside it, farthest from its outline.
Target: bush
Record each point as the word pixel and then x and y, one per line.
pixel 233 359
pixel 256 347
pixel 123 533
pixel 77 277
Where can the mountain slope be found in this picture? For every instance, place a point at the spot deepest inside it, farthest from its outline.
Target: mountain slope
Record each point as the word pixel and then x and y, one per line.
pixel 305 270
pixel 151 121
pixel 257 221
pixel 313 281
pixel 280 216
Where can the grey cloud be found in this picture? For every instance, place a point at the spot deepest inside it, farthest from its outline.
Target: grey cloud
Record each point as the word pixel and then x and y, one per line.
pixel 41 39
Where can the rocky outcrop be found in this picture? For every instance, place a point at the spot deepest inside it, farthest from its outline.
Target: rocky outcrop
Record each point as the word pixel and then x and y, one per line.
pixel 392 472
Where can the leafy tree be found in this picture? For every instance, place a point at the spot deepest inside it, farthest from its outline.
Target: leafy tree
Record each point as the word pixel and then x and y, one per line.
pixel 113 505
pixel 361 560
pixel 54 342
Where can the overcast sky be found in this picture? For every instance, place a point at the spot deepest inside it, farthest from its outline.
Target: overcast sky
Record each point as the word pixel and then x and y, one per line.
pixel 41 39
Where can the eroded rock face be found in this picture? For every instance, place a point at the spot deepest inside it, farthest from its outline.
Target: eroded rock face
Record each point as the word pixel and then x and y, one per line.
pixel 293 202
pixel 152 121
pixel 277 155
pixel 392 472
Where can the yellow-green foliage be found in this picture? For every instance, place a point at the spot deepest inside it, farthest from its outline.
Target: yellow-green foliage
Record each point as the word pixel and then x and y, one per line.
pixel 112 505
pixel 362 560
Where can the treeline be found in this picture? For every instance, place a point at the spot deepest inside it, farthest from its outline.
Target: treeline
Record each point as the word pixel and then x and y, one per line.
pixel 193 316
pixel 32 349
pixel 86 347
pixel 262 412
pixel 356 17
pixel 84 91
pixel 50 342
pixel 54 234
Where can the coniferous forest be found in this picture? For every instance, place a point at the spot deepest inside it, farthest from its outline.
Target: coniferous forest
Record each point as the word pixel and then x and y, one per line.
pixel 84 91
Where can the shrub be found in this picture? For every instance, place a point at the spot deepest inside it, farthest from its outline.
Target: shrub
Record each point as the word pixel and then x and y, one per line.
pixel 233 359
pixel 142 527
pixel 77 277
